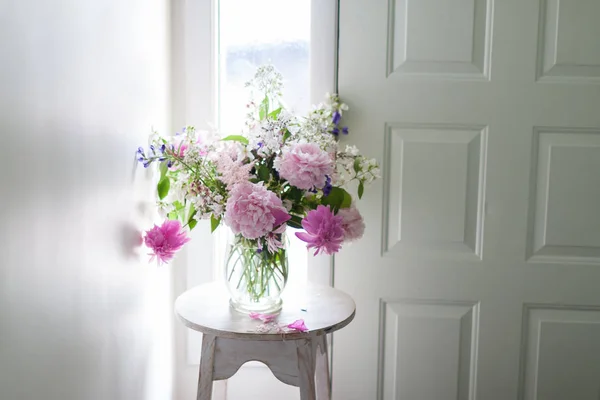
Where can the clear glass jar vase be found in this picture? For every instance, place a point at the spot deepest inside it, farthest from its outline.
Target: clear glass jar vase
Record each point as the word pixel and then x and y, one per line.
pixel 255 277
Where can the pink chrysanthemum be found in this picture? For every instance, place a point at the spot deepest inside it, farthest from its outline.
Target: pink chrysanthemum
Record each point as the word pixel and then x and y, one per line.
pixel 324 231
pixel 254 211
pixel 165 240
pixel 352 223
pixel 305 166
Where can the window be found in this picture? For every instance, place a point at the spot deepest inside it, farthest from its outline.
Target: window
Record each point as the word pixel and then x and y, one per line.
pixel 253 33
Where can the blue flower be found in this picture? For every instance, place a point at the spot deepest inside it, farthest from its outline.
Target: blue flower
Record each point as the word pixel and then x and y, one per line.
pixel 328 186
pixel 335 131
pixel 146 164
pixel 140 150
pixel 141 159
pixel 169 163
pixel 163 148
pixel 336 117
pixel 345 130
pixel 153 149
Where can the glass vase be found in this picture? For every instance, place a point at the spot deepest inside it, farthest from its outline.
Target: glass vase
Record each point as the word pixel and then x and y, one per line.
pixel 255 277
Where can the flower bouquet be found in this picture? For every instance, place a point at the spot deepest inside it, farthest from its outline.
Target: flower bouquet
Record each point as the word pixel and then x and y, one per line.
pixel 280 171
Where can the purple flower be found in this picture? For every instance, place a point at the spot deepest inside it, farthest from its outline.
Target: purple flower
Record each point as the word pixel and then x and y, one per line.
pixel 336 117
pixel 140 150
pixel 165 240
pixel 324 230
pixel 335 131
pixel 328 186
pixel 345 130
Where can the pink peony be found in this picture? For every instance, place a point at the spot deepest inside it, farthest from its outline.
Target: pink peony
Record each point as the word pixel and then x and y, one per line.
pixel 352 223
pixel 254 211
pixel 324 230
pixel 165 240
pixel 305 166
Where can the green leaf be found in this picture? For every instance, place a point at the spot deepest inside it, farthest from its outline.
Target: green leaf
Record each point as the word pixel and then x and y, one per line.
pixel 286 135
pixel 263 173
pixel 338 198
pixel 347 200
pixel 361 189
pixel 163 187
pixel 214 223
pixel 163 169
pixel 237 138
pixel 295 194
pixel 263 109
pixel 356 165
pixel 275 113
pixel 191 222
pixel 295 222
pixel 172 215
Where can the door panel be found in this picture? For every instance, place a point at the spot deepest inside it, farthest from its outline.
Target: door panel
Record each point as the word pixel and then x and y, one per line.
pixel 480 264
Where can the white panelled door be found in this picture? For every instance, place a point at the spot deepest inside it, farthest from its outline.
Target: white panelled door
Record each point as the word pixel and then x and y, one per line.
pixel 479 276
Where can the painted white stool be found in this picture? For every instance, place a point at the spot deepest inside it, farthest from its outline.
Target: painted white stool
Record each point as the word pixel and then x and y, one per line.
pixel 230 339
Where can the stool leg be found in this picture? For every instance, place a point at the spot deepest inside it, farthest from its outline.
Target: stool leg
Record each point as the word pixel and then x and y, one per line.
pixel 205 379
pixel 306 369
pixel 322 369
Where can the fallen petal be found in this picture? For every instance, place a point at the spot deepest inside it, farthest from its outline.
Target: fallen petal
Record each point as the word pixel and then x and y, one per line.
pixel 298 325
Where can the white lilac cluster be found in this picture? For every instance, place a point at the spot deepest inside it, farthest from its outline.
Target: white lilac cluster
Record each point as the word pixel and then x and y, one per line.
pixel 351 166
pixel 266 80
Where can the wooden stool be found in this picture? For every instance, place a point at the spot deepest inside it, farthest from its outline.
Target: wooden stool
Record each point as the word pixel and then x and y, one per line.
pixel 230 338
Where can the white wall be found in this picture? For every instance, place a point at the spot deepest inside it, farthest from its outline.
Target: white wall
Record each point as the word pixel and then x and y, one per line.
pixel 81 82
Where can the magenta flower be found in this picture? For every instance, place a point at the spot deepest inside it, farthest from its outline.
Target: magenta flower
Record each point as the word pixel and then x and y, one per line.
pixel 165 240
pixel 305 166
pixel 254 211
pixel 298 325
pixel 324 231
pixel 352 223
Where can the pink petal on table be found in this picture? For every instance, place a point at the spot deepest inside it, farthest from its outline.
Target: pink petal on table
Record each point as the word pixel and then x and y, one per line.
pixel 298 325
pixel 262 317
